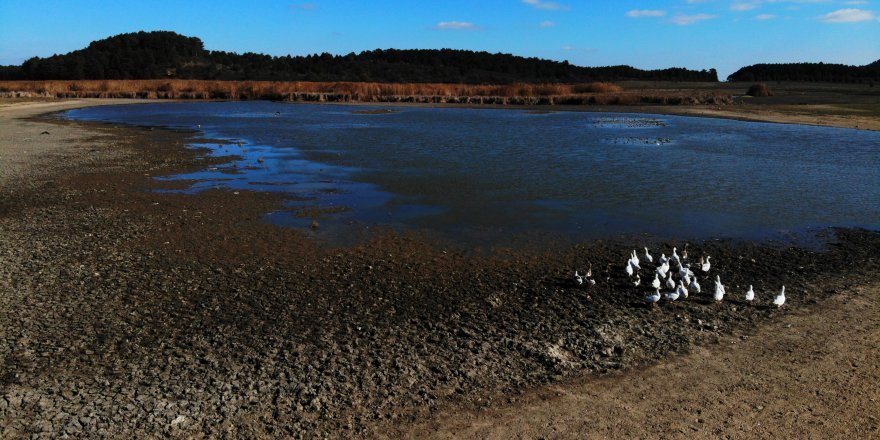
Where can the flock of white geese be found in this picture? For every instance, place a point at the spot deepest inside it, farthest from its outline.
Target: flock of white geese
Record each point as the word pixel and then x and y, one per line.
pixel 664 276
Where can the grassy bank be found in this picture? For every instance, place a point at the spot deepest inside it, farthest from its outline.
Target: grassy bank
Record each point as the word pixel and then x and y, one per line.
pixel 508 94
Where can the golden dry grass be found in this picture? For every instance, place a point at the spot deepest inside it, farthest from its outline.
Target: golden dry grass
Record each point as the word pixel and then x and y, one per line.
pixel 257 89
pixel 519 93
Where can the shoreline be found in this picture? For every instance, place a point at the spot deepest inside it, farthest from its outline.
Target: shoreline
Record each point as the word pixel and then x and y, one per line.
pixel 776 114
pixel 737 112
pixel 129 312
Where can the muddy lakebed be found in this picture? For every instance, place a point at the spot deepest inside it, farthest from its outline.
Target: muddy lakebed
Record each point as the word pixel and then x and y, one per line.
pixel 182 311
pixel 484 176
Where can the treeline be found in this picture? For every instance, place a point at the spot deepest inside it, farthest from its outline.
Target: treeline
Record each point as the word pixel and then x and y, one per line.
pixel 809 72
pixel 168 55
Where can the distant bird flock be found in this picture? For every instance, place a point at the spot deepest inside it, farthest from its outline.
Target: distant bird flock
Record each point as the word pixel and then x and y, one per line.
pixel 673 274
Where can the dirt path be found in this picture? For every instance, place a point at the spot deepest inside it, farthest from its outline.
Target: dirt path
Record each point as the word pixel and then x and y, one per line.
pixel 814 374
pixel 26 145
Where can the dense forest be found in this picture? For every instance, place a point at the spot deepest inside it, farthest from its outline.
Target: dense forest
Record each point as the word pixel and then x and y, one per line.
pixel 163 55
pixel 811 72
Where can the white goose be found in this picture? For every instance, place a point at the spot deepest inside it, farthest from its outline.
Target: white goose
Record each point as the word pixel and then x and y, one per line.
pixel 663 259
pixel 686 280
pixel 654 297
pixel 779 301
pixel 637 281
pixel 669 283
pixel 682 291
pixel 656 283
pixel 674 256
pixel 629 269
pixel 750 295
pixel 660 272
pixel 686 270
pixel 705 266
pixel 634 261
pixel 671 296
pixel 719 289
pixel 648 256
pixel 695 286
pixel 578 278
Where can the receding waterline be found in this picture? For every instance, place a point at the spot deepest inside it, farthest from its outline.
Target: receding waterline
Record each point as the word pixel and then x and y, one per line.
pixel 471 173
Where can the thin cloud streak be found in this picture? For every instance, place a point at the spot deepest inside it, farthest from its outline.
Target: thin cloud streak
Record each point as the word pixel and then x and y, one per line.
pixel 741 7
pixel 686 20
pixel 638 13
pixel 303 7
pixel 848 16
pixel 455 25
pixel 541 4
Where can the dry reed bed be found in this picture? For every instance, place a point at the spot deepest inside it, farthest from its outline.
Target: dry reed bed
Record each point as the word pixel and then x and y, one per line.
pixel 597 93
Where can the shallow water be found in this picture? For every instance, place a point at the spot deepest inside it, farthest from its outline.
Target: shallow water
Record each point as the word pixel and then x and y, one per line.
pixel 486 175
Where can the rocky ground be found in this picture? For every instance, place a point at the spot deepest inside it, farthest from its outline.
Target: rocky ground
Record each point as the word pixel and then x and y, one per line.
pixel 130 313
pixel 811 374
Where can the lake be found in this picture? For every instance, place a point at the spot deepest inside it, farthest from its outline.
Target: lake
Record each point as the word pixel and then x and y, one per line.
pixel 491 175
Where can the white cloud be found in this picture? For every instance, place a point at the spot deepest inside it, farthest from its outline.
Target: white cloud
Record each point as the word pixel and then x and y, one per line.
pixel 684 20
pixel 546 24
pixel 541 4
pixel 740 7
pixel 848 16
pixel 636 13
pixel 463 25
pixel 765 17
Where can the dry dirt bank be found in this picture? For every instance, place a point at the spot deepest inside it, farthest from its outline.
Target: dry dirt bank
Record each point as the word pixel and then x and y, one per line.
pixel 130 313
pixel 813 374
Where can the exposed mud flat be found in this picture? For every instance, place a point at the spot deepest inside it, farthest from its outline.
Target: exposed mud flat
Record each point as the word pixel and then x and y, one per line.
pixel 128 312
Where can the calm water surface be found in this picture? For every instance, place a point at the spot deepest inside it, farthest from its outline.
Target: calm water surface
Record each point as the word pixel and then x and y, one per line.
pixel 488 175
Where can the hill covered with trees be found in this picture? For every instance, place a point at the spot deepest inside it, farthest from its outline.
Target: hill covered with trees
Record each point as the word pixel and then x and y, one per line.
pixel 809 72
pixel 167 55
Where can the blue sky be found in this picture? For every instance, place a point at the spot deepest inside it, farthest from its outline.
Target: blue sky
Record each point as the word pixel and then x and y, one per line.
pixel 724 34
